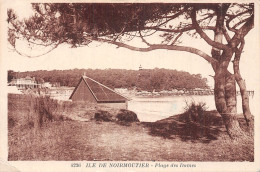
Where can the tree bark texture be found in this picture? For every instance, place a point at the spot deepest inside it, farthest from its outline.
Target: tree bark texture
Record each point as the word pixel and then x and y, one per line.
pixel 244 95
pixel 225 100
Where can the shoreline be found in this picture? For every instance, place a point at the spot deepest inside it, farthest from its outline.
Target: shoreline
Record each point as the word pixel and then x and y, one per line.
pixel 166 96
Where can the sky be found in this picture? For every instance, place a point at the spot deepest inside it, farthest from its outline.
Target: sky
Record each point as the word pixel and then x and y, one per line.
pixel 104 56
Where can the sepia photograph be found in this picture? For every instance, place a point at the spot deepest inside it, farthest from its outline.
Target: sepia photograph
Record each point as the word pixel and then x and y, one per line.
pixel 159 85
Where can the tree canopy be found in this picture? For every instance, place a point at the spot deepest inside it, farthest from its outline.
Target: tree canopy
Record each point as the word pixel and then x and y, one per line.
pixel 117 23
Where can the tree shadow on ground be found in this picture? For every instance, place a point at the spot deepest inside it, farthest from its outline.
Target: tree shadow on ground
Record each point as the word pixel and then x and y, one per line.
pixel 208 129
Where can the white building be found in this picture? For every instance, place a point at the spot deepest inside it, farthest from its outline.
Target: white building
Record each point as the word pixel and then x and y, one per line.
pixel 46 85
pixel 24 83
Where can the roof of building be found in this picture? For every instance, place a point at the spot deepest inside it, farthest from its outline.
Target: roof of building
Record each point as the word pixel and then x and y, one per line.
pixel 101 92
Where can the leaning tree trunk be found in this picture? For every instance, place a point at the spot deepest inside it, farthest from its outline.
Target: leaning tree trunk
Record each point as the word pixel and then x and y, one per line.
pixel 245 98
pixel 225 100
pixel 244 95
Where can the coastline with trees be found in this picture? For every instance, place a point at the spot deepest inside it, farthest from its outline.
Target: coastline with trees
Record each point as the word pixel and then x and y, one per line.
pixel 144 80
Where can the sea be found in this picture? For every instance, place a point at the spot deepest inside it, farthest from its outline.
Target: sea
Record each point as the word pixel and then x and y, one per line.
pixel 151 109
pixel 157 108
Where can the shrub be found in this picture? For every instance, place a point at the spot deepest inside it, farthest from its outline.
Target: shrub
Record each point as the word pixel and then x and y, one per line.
pixel 31 111
pixel 103 116
pixel 127 116
pixel 47 109
pixel 194 112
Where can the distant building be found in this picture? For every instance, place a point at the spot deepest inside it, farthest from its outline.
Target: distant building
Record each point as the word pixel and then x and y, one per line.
pixel 56 84
pixel 24 83
pixel 46 85
pixel 89 90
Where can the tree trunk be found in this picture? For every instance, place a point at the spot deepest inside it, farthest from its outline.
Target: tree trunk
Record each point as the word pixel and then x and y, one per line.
pixel 225 84
pixel 244 95
pixel 245 99
pixel 225 100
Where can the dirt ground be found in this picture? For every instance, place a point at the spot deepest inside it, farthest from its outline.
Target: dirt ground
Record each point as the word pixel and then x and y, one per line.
pixel 170 139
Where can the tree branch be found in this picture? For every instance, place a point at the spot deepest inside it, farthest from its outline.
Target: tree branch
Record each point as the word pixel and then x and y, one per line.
pixel 160 46
pixel 141 36
pixel 172 17
pixel 232 17
pixel 178 30
pixel 239 14
pixel 176 39
pixel 203 34
pixel 26 55
pixel 241 47
pixel 241 33
pixel 239 23
pixel 229 27
pixel 224 30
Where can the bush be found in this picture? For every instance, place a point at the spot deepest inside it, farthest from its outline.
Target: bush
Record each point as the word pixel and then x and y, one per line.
pixel 103 116
pixel 47 109
pixel 127 116
pixel 31 111
pixel 194 112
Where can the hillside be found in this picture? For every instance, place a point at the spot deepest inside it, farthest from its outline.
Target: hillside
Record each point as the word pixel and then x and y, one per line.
pixel 146 79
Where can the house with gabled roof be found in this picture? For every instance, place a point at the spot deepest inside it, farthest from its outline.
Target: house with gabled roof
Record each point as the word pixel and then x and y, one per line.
pixel 89 90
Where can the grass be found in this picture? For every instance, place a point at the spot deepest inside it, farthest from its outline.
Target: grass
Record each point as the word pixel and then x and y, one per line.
pixel 171 139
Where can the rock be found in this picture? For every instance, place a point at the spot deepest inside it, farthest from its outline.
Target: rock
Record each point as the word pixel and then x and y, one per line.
pixel 103 116
pixel 127 116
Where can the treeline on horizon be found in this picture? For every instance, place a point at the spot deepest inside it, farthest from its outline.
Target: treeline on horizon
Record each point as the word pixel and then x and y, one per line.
pixel 146 79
